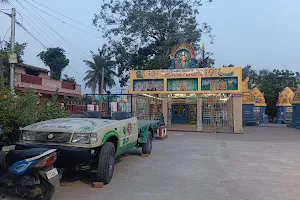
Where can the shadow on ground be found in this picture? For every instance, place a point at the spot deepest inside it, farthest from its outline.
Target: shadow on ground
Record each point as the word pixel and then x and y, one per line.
pixel 88 176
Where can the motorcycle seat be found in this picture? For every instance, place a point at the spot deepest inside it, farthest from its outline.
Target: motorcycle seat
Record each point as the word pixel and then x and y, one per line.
pixel 17 155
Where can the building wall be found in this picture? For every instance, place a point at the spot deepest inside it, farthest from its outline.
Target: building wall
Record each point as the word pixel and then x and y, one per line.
pixel 44 84
pixel 20 70
pixel 43 75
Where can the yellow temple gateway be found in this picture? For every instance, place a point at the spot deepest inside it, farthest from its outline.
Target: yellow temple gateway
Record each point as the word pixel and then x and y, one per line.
pixel 284 106
pixel 296 109
pixel 194 98
pixel 259 105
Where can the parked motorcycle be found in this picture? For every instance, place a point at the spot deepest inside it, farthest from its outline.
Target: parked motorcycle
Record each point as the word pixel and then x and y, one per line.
pixel 29 172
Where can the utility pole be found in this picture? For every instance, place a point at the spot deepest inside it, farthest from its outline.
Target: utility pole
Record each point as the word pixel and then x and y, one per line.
pixel 102 81
pixel 13 57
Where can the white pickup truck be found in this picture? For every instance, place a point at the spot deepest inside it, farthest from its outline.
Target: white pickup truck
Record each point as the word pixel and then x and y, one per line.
pixel 87 140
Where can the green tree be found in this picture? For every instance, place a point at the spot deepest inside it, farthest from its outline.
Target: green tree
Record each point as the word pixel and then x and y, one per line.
pixel 27 108
pixel 51 110
pixel 17 111
pixel 94 74
pixel 56 60
pixel 69 79
pixel 142 33
pixel 252 74
pixel 4 56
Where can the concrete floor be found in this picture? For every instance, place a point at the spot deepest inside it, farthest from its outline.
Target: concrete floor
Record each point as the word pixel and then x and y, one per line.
pixel 261 164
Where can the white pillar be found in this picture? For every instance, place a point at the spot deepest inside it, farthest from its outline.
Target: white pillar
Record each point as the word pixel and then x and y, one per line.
pixel 165 110
pixel 199 115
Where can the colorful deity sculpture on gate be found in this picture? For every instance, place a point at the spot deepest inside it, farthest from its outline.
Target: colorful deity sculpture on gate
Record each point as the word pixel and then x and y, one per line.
pixel 183 56
pixel 296 99
pixel 285 97
pixel 258 97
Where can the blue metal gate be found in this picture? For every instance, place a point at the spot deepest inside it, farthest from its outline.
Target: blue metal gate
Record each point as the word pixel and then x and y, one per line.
pixel 180 114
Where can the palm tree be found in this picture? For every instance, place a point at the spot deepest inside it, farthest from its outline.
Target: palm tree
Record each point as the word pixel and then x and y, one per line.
pixel 101 64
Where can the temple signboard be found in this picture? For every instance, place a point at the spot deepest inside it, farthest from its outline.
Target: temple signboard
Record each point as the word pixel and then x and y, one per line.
pixel 197 72
pixel 183 81
pixel 182 72
pixel 184 76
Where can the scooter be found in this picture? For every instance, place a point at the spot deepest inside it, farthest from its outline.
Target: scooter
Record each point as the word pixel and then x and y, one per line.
pixel 29 172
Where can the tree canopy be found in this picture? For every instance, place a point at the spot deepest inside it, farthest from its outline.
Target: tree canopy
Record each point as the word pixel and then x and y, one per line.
pixel 56 60
pixel 142 33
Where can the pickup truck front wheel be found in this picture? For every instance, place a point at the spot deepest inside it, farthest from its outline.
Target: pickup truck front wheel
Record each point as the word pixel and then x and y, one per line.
pixel 106 163
pixel 147 147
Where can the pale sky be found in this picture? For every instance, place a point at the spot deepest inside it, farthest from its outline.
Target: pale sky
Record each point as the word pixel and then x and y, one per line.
pixel 264 33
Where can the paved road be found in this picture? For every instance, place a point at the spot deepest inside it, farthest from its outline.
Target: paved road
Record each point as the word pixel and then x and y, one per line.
pixel 261 164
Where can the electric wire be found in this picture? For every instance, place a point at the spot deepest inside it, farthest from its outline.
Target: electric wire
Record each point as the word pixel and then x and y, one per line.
pixel 66 22
pixel 21 25
pixel 18 23
pixel 48 25
pixel 73 55
pixel 45 32
pixel 6 33
pixel 66 16
pixel 26 30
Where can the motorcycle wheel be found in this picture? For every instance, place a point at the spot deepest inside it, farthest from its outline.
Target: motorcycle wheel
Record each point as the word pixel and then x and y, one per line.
pixel 47 191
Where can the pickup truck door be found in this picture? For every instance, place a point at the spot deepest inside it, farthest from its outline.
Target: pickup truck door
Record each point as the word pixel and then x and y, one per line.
pixel 128 131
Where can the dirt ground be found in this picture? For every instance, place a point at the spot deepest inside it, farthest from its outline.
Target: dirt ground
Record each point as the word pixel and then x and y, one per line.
pixel 261 164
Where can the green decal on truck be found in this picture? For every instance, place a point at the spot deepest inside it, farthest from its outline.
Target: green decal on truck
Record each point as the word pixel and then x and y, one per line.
pixel 125 141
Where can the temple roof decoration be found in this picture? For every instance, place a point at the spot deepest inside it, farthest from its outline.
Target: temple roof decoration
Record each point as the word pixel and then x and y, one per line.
pixel 258 97
pixel 247 97
pixel 296 99
pixel 285 97
pixel 183 56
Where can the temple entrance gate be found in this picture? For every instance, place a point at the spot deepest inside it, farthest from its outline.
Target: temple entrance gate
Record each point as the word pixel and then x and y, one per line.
pixel 217 114
pixel 180 114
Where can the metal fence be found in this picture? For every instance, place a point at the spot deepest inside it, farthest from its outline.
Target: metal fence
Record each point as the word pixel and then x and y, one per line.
pixel 217 114
pixel 109 103
pixel 148 108
pixel 73 107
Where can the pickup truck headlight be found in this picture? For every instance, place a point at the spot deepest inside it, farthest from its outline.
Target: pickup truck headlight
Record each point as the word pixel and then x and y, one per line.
pixel 81 138
pixel 28 135
pixel 84 138
pixel 93 138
